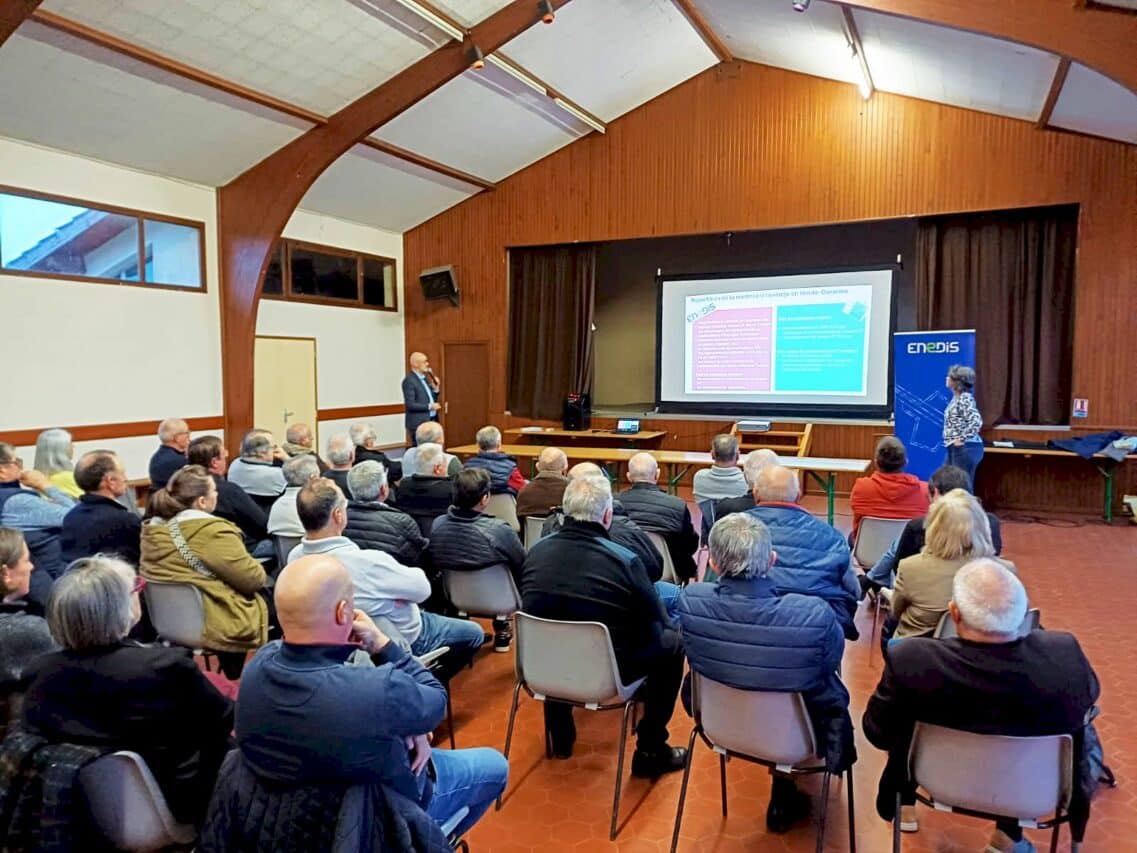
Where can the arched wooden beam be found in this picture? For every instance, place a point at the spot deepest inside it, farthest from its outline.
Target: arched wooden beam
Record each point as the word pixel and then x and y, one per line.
pixel 254 207
pixel 13 13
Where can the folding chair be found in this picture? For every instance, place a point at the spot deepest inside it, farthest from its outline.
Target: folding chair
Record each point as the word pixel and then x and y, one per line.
pixel 992 777
pixel 504 507
pixel 573 663
pixel 668 565
pixel 946 628
pixel 533 525
pixel 488 592
pixel 771 729
pixel 874 537
pixel 127 805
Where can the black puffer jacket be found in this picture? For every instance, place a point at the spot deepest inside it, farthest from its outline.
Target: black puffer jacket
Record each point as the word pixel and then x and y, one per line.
pixel 624 532
pixel 658 512
pixel 466 540
pixel 373 524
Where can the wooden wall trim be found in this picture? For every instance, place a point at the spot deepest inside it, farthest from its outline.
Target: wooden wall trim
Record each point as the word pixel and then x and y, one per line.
pixel 101 432
pixel 1056 84
pixel 13 13
pixel 351 412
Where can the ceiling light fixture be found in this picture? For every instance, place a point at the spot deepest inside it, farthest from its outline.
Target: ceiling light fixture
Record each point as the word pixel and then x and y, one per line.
pixel 516 73
pixel 578 114
pixel 548 13
pixel 433 18
pixel 476 57
pixel 857 51
pixel 800 5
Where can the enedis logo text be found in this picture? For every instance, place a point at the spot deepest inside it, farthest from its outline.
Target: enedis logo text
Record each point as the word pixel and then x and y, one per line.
pixel 917 347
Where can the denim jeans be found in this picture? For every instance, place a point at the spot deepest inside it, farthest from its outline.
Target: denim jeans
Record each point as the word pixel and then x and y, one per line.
pixel 966 456
pixel 884 572
pixel 461 635
pixel 669 594
pixel 473 778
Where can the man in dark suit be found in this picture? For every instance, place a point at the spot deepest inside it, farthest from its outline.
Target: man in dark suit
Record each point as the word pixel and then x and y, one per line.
pixel 99 523
pixel 420 395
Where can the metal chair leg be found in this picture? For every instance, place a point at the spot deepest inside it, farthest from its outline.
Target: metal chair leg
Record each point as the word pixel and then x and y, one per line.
pixel 722 780
pixel 875 618
pixel 509 731
pixel 1054 836
pixel 896 826
pixel 620 770
pixel 822 812
pixel 683 789
pixel 852 813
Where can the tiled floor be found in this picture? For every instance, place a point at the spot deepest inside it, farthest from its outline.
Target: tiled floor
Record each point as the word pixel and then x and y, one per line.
pixel 1084 578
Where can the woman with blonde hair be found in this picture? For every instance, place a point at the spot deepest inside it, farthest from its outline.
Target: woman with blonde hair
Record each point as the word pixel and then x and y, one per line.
pixel 956 532
pixel 23 631
pixel 183 542
pixel 53 459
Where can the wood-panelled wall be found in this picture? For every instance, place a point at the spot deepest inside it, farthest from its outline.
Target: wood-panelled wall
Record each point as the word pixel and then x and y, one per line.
pixel 744 146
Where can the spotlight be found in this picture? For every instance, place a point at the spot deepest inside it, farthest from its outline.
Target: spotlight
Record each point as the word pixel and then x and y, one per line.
pixel 800 5
pixel 476 57
pixel 545 7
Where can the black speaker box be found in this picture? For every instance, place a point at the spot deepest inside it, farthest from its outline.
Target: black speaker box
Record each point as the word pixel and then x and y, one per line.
pixel 578 412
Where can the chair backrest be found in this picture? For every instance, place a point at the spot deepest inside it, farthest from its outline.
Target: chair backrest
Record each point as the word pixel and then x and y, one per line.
pixel 1028 778
pixel 772 727
pixel 874 537
pixel 505 508
pixel 127 805
pixel 946 628
pixel 567 660
pixel 282 547
pixel 661 546
pixel 483 592
pixel 707 512
pixel 177 612
pixel 533 525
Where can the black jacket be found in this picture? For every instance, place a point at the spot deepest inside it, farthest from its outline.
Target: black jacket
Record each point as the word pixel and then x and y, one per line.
pixel 393 467
pixel 373 524
pixel 464 539
pixel 658 512
pixel 723 508
pixel 163 464
pixel 339 477
pixel 624 532
pixel 100 525
pixel 147 699
pixel 581 575
pixel 235 505
pixel 424 498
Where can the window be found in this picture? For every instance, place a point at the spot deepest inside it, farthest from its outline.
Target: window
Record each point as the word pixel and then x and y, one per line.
pixel 65 238
pixel 304 272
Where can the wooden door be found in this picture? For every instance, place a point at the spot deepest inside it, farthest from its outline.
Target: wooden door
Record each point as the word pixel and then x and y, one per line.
pixel 465 396
pixel 285 384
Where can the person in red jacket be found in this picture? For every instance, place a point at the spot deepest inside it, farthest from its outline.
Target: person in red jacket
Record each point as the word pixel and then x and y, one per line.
pixel 888 492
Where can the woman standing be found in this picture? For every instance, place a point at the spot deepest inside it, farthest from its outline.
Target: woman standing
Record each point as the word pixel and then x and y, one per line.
pixel 962 423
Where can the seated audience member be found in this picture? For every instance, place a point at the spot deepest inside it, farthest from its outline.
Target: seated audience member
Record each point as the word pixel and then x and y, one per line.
pixel 813 558
pixel 29 503
pixel 24 635
pixel 888 492
pixel 505 479
pixel 911 540
pixel 988 681
pixel 756 460
pixel 258 470
pixel 544 492
pixel 956 533
pixel 740 632
pixel 341 456
pixel 283 519
pixel 337 702
pixel 580 575
pixel 299 441
pixel 174 438
pixel 371 523
pixel 106 691
pixel 53 459
pixel 367 449
pixel 99 524
pixel 233 502
pixel 723 479
pixel 466 539
pixel 429 432
pixel 383 586
pixel 623 531
pixel 425 493
pixel 183 542
pixel 655 511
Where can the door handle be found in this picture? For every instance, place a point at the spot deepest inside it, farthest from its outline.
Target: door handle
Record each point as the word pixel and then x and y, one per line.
pixel 287 415
pixel 446 408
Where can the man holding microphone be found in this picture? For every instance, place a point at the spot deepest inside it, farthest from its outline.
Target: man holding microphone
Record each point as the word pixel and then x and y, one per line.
pixel 420 395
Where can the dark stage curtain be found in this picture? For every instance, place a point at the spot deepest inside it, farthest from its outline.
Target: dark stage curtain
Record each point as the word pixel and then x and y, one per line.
pixel 551 304
pixel 1010 276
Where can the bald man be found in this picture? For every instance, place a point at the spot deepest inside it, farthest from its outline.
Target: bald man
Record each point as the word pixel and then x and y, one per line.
pixel 420 395
pixel 655 511
pixel 337 701
pixel 547 489
pixel 174 438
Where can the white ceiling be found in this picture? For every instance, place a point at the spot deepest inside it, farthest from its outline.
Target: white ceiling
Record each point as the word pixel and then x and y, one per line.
pixel 470 12
pixel 1092 103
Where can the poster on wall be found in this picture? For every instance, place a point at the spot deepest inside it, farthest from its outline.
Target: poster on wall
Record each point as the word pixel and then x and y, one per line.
pixel 920 366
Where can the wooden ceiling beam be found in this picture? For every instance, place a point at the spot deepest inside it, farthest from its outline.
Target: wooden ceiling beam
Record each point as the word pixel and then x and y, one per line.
pixel 705 30
pixel 254 207
pixel 13 13
pixel 1056 85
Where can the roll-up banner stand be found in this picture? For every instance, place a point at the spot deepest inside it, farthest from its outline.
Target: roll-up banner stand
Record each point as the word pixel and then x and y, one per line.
pixel 920 365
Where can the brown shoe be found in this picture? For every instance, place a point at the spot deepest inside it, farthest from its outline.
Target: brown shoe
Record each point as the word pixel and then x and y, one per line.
pixel 908 822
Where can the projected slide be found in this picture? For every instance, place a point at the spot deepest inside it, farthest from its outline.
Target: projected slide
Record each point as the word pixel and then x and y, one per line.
pixel 816 339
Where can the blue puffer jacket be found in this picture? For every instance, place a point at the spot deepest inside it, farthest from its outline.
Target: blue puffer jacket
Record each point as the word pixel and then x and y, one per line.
pixel 741 633
pixel 813 559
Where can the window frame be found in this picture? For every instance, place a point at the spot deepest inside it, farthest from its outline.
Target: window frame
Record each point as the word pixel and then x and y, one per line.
pixel 283 252
pixel 140 216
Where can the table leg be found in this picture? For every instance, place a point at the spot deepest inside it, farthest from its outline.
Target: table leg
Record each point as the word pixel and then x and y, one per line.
pixel 830 486
pixel 1106 471
pixel 673 478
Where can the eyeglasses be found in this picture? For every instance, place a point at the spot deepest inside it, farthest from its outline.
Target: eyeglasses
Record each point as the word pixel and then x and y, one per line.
pixel 139 584
pixel 15 460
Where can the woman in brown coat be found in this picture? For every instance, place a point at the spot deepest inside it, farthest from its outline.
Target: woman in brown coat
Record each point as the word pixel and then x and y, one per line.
pixel 183 543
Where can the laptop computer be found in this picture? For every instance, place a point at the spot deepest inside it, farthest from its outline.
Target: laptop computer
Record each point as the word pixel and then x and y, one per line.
pixel 627 426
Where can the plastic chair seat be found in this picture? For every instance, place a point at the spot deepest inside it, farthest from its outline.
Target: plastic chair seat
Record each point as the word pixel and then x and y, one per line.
pixel 489 592
pixel 504 507
pixel 127 805
pixel 668 565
